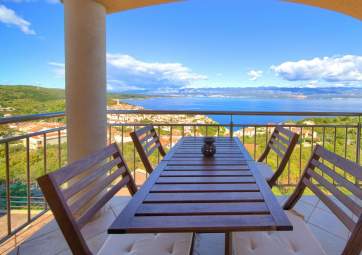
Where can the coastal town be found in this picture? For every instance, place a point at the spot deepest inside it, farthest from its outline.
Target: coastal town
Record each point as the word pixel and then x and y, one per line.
pixel 121 124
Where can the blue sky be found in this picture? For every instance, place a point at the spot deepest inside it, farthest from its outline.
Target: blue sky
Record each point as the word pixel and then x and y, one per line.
pixel 221 43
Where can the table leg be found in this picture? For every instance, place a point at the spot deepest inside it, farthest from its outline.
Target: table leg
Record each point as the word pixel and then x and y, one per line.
pixel 228 243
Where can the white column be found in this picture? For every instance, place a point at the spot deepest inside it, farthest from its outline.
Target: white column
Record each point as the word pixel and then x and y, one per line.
pixel 85 62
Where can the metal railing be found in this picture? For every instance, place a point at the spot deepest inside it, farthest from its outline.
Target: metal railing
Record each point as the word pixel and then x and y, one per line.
pixel 24 157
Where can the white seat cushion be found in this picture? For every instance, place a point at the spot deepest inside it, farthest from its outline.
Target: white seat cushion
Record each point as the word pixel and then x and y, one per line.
pixel 265 170
pixel 300 241
pixel 147 244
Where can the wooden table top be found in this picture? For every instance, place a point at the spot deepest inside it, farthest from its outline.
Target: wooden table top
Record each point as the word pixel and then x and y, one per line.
pixel 190 193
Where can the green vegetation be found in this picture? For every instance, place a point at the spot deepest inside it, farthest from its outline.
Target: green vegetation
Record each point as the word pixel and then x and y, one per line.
pixel 31 99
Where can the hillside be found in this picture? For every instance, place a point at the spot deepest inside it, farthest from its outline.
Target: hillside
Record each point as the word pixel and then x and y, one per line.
pixel 30 99
pixel 20 99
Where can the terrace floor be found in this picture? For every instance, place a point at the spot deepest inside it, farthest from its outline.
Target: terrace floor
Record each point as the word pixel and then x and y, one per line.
pixel 44 236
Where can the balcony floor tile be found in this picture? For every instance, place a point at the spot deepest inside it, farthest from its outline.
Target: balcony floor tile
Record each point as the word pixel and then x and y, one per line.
pixel 329 222
pixel 332 244
pixel 48 239
pixel 306 209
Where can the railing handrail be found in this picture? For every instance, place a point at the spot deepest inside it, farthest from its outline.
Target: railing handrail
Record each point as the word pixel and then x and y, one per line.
pixel 240 113
pixel 30 117
pixel 229 125
pixel 28 135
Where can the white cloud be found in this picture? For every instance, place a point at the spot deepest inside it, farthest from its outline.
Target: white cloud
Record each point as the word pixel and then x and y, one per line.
pixel 150 74
pixel 128 73
pixel 255 74
pixel 346 68
pixel 9 17
pixel 58 69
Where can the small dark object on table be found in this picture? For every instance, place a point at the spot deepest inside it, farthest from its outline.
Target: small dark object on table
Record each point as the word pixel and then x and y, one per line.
pixel 209 148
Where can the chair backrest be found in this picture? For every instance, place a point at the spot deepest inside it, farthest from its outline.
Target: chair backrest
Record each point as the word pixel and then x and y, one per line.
pixel 282 142
pixel 146 142
pixel 76 192
pixel 336 182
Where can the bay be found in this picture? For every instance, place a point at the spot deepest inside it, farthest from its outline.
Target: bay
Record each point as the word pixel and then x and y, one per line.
pixel 250 104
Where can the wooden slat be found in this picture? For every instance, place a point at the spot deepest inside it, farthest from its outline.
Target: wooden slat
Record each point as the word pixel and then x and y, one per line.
pixel 208 167
pixel 284 131
pixel 143 130
pixel 201 139
pixel 146 137
pixel 203 187
pixel 201 158
pixel 281 138
pixel 276 150
pixel 205 179
pixel 84 219
pixel 206 163
pixel 188 151
pixel 338 178
pixel 151 143
pixel 87 180
pixel 200 155
pixel 282 147
pixel 66 173
pixel 346 220
pixel 347 201
pixel 206 197
pixel 348 166
pixel 205 173
pixel 202 209
pixel 152 150
pixel 208 224
pixel 218 146
pixel 96 189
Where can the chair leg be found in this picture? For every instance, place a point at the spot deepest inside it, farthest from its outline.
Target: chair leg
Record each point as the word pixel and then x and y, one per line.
pixel 228 243
pixel 192 243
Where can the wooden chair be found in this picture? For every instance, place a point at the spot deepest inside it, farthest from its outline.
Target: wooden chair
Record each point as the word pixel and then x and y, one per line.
pixel 75 193
pixel 146 142
pixel 282 142
pixel 324 171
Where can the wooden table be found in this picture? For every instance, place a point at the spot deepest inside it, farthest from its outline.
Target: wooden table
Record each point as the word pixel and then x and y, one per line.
pixel 190 193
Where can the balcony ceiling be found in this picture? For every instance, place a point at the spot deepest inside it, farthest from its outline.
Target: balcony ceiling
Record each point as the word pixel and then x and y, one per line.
pixel 349 7
pixel 123 5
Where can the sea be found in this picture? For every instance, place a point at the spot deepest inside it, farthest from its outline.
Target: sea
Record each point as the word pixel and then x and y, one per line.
pixel 250 104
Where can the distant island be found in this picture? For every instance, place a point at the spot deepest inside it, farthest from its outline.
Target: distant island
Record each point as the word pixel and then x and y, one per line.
pixel 296 92
pixel 26 99
pixel 270 92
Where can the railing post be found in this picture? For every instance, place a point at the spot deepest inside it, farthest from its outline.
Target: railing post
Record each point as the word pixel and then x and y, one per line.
pixel 8 191
pixel 358 144
pixel 231 126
